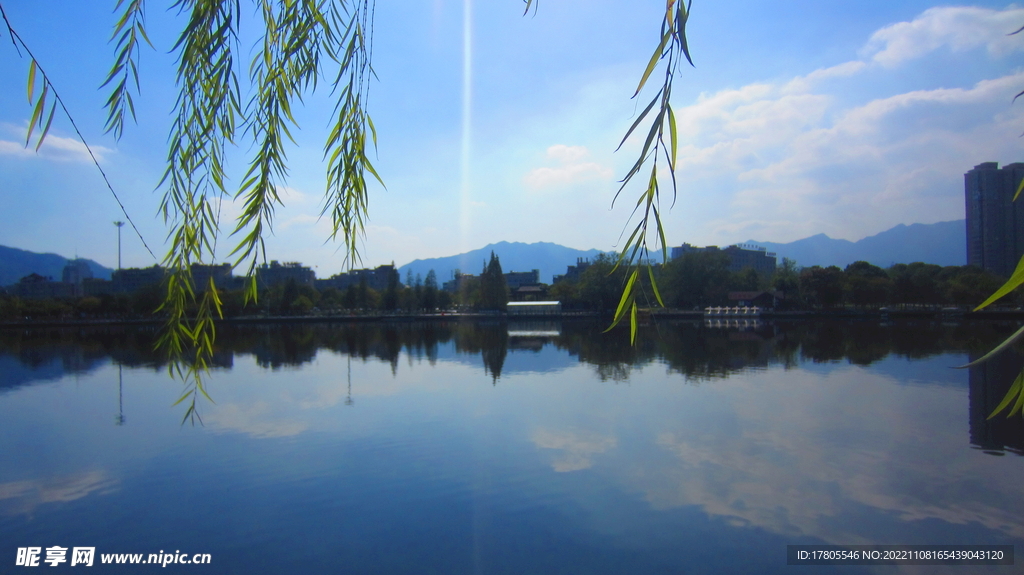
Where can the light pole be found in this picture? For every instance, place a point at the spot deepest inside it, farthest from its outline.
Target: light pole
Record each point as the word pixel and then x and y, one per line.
pixel 119 225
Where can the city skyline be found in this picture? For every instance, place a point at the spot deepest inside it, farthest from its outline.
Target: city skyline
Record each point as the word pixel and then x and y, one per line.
pixel 838 120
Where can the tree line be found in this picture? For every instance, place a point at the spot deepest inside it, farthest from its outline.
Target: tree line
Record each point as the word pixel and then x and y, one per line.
pixel 486 292
pixel 701 279
pixel 693 281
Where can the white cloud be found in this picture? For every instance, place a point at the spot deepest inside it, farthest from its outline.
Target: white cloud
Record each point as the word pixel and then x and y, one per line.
pixel 577 448
pixel 54 148
pixel 567 154
pixel 18 497
pixel 804 83
pixel 572 169
pixel 960 28
pixel 786 160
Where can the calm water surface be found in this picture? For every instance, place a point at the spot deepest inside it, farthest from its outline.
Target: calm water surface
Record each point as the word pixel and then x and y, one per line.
pixel 510 448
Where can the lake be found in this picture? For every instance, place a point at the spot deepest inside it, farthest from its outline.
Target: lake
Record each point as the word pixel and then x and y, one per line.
pixel 487 448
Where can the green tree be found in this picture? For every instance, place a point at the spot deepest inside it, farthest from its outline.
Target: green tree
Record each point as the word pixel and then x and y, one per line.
pixel 429 300
pixel 967 285
pixel 787 280
pixel 822 286
pixel 389 302
pixel 493 288
pixel 696 279
pixel 867 284
pixel 915 283
pixel 746 279
pixel 288 296
pixel 350 299
pixel 600 285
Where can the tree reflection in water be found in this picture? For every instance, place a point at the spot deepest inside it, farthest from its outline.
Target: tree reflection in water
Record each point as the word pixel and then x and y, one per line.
pixel 691 349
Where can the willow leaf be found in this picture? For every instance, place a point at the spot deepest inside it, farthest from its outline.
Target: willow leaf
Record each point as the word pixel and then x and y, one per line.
pixel 657 55
pixel 1016 279
pixel 46 128
pixel 31 79
pixel 999 348
pixel 1013 392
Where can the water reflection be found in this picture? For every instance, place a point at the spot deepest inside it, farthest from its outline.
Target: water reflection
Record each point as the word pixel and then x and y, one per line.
pixel 989 383
pixel 693 349
pixel 119 418
pixel 504 448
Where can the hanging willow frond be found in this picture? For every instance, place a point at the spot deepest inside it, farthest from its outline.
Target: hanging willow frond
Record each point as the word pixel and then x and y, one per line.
pixel 350 41
pixel 128 31
pixel 286 65
pixel 635 253
pixel 208 112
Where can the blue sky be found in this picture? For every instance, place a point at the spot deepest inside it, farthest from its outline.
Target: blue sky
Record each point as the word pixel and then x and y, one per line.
pixel 799 118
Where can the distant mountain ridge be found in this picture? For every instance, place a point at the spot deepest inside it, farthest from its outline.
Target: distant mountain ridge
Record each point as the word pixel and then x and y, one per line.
pixel 942 243
pixel 16 264
pixel 549 258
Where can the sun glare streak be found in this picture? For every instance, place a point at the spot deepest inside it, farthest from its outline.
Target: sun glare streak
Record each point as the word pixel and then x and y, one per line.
pixel 467 106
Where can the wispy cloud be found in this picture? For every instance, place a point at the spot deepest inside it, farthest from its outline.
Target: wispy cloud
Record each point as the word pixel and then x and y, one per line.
pixel 959 28
pixel 791 158
pixel 572 168
pixel 54 148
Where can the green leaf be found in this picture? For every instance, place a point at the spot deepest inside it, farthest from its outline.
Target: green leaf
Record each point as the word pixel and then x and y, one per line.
pixel 1006 343
pixel 46 129
pixel 654 286
pixel 653 62
pixel 661 235
pixel 1011 284
pixel 37 113
pixel 681 19
pixel 674 140
pixel 31 80
pixel 1014 391
pixel 1017 406
pixel 638 120
pixel 182 398
pixel 632 324
pixel 627 296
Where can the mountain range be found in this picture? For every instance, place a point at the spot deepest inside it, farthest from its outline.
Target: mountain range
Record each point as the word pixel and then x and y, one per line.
pixel 549 258
pixel 942 243
pixel 16 264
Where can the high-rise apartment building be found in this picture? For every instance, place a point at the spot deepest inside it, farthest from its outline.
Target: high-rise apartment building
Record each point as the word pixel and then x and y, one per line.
pixel 995 223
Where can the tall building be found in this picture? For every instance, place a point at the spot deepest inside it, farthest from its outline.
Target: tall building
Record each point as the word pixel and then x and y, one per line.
pixel 131 280
pixel 995 223
pixel 221 274
pixel 744 256
pixel 376 279
pixel 275 273
pixel 684 249
pixel 573 273
pixel 989 383
pixel 515 280
pixel 75 272
pixel 741 256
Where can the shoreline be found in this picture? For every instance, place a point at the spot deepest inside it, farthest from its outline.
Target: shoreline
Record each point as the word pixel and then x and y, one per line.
pixel 880 315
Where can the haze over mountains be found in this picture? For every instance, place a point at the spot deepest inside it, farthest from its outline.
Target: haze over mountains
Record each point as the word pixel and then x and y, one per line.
pixel 942 243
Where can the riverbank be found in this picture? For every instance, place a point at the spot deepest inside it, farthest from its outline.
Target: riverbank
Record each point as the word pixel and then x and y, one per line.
pixel 850 314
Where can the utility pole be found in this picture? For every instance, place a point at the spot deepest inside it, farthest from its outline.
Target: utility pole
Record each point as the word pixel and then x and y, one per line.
pixel 119 225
